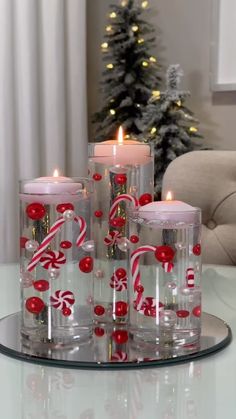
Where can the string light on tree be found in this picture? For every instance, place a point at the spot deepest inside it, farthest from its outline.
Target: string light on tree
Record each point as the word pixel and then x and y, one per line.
pixel 104 45
pixel 153 59
pixel 144 4
pixel 140 40
pixel 135 28
pixel 113 15
pixel 110 66
pixel 156 94
pixel 145 64
pixel 179 103
pixel 112 111
pixel 193 129
pixel 109 28
pixel 153 130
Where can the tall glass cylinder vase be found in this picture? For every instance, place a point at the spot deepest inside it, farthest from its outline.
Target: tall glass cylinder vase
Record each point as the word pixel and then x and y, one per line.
pixel 56 260
pixel 123 177
pixel 165 275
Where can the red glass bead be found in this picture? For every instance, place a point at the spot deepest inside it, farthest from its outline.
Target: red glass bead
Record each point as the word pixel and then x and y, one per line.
pixel 139 288
pixel 98 213
pixel 182 313
pixel 121 273
pixel 120 336
pixel 41 285
pixel 117 222
pixel 197 311
pixel 197 249
pixel 66 311
pixel 34 305
pixel 164 253
pixel 86 264
pixel 65 244
pixel 134 239
pixel 61 208
pixel 121 308
pixel 35 211
pixel 120 179
pixel 144 199
pixel 99 331
pixel 99 310
pixel 23 240
pixel 97 177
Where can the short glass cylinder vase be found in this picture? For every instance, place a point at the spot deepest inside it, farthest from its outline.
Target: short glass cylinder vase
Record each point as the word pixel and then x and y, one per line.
pixel 56 260
pixel 123 177
pixel 165 276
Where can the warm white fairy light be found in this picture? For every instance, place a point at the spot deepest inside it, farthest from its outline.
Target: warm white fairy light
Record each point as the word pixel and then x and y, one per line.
pixel 179 103
pixel 153 59
pixel 144 4
pixel 104 45
pixel 113 15
pixel 109 28
pixel 156 93
pixel 124 3
pixel 140 41
pixel 153 130
pixel 193 129
pixel 112 111
pixel 110 66
pixel 135 28
pixel 145 64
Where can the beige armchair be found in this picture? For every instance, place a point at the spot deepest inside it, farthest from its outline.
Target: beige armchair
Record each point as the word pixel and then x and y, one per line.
pixel 207 179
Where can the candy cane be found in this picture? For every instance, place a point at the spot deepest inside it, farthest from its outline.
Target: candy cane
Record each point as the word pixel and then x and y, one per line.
pixel 52 232
pixel 120 198
pixel 112 238
pixel 134 261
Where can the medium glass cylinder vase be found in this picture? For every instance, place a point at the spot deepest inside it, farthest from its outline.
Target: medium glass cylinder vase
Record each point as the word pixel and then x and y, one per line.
pixel 165 276
pixel 56 260
pixel 123 177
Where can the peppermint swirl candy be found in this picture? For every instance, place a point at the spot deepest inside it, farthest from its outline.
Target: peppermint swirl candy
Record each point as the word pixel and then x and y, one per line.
pixel 119 284
pixel 62 299
pixel 52 259
pixel 119 356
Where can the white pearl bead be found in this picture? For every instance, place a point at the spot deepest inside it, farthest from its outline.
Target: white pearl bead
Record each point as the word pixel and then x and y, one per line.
pixel 31 245
pixel 88 246
pixel 168 318
pixel 123 244
pixel 53 273
pixel 68 215
pixel 99 274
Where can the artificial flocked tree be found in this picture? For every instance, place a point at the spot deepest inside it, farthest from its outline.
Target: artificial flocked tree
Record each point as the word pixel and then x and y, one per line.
pixel 131 72
pixel 169 125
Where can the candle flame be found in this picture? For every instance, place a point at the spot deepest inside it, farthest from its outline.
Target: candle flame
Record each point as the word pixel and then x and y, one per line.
pixel 120 135
pixel 169 196
pixel 56 173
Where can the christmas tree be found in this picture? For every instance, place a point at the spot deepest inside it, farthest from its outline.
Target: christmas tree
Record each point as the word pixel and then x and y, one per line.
pixel 169 125
pixel 131 72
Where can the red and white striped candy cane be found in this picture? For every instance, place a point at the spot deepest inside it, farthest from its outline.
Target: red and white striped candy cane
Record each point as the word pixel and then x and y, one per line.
pixel 118 200
pixel 134 261
pixel 83 227
pixel 46 241
pixel 112 237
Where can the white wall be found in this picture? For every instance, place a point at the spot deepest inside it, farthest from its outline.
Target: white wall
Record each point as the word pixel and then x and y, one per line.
pixel 185 36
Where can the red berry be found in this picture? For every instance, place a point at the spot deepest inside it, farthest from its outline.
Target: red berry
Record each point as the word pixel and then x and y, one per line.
pixel 41 285
pixel 197 249
pixel 182 313
pixel 34 305
pixel 98 213
pixel 134 239
pixel 99 310
pixel 66 311
pixel 65 244
pixel 121 273
pixel 35 211
pixel 99 331
pixel 164 253
pixel 144 199
pixel 121 308
pixel 97 177
pixel 86 264
pixel 64 207
pixel 117 222
pixel 120 179
pixel 139 288
pixel 23 240
pixel 197 311
pixel 120 336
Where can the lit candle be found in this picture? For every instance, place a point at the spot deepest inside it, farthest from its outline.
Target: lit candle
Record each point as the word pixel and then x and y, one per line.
pixel 50 189
pixel 122 151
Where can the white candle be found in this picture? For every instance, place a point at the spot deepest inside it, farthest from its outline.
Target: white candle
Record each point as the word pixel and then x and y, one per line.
pixel 122 151
pixel 50 189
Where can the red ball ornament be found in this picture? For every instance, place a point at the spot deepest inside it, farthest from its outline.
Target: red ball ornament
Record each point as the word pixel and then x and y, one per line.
pixel 117 222
pixel 23 240
pixel 61 208
pixel 99 310
pixel 120 179
pixel 34 305
pixel 182 313
pixel 66 311
pixel 144 199
pixel 35 211
pixel 65 244
pixel 139 288
pixel 99 331
pixel 134 239
pixel 197 311
pixel 41 285
pixel 121 308
pixel 121 273
pixel 164 253
pixel 98 213
pixel 120 336
pixel 97 177
pixel 197 249
pixel 86 264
